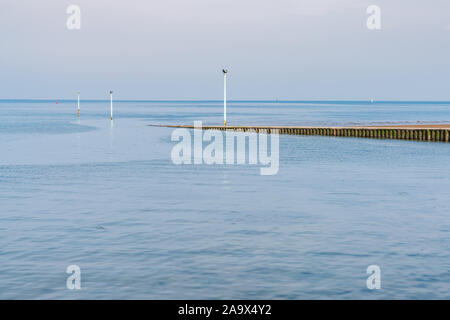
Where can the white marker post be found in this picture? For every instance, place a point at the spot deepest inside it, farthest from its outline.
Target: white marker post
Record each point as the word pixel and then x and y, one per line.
pixel 110 93
pixel 224 97
pixel 78 103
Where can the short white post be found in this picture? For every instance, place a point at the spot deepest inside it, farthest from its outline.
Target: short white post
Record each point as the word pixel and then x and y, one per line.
pixel 78 103
pixel 224 97
pixel 110 93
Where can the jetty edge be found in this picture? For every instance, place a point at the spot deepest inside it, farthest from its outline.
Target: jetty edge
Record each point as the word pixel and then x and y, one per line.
pixel 418 132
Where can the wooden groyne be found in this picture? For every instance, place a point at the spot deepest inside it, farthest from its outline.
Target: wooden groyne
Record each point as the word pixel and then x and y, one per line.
pixel 439 133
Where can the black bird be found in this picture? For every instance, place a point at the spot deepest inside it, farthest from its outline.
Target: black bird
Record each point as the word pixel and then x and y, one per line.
pixel 224 70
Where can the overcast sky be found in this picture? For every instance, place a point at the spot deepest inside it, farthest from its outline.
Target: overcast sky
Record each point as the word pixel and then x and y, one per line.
pixel 274 49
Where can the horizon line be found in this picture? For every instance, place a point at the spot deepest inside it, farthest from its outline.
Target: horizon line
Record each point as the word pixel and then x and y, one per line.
pixel 230 100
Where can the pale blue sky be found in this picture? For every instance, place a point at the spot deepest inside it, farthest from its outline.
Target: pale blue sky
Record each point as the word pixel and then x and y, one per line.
pixel 175 49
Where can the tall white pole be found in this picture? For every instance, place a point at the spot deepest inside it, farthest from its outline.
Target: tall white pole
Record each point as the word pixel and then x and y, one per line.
pixel 78 103
pixel 224 97
pixel 110 93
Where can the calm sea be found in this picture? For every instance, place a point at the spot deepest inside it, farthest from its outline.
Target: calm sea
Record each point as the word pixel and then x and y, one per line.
pixel 110 200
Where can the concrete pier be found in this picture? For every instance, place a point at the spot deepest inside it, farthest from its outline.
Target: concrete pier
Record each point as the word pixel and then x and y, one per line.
pixel 440 133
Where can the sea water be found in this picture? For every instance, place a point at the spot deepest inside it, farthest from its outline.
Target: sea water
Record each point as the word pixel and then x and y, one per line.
pixel 108 198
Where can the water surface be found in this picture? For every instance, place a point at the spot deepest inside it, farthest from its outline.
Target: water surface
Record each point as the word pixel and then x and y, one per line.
pixel 109 199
